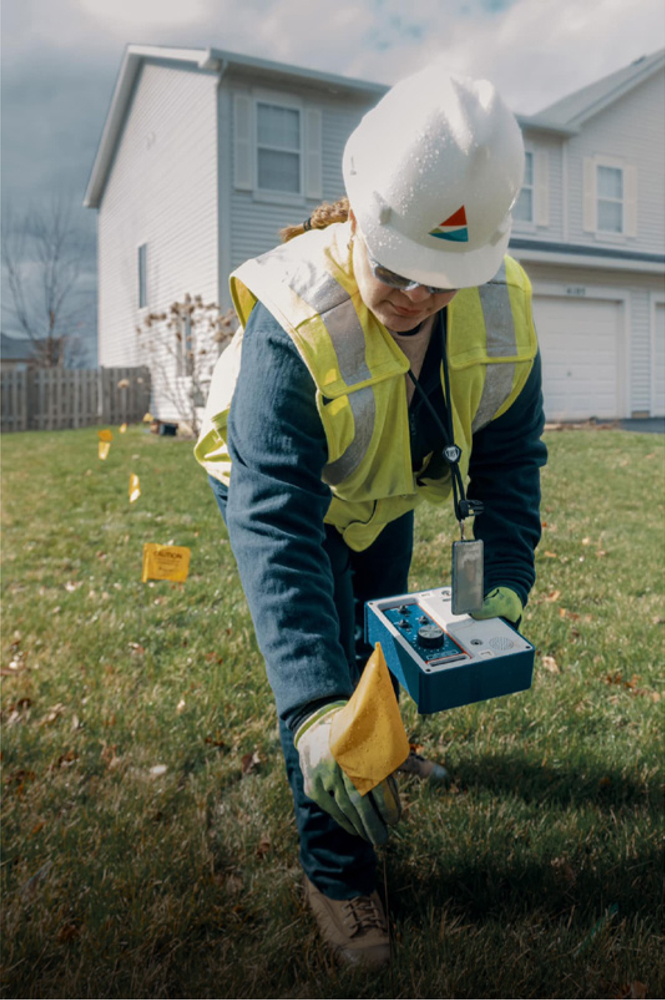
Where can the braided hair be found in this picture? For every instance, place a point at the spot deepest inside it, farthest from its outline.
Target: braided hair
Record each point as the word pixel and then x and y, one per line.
pixel 322 216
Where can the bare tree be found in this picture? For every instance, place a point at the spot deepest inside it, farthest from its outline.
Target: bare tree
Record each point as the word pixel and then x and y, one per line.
pixel 182 346
pixel 43 254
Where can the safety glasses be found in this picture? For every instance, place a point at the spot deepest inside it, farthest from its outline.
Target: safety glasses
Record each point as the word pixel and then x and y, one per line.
pixel 393 280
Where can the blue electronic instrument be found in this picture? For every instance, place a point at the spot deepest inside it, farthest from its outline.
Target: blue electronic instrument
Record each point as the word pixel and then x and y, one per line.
pixel 444 660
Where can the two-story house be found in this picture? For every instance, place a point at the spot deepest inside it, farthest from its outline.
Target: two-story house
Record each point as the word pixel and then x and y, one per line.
pixel 205 155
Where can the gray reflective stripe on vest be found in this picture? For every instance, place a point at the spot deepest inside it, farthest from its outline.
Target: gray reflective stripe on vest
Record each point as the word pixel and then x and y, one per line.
pixel 332 303
pixel 501 341
pixel 363 407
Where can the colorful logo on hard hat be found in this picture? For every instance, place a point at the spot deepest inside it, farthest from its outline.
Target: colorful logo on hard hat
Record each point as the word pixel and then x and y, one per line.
pixel 453 228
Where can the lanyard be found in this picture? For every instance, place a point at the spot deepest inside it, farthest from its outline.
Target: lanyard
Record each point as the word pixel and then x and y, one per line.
pixel 451 453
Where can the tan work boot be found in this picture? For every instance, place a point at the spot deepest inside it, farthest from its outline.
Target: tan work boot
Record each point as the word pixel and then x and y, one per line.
pixel 424 769
pixel 355 929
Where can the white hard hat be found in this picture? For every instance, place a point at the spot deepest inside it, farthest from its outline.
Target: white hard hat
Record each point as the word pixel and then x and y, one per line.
pixel 432 173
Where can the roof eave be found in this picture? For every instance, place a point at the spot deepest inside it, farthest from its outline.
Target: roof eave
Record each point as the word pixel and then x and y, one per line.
pixel 544 125
pixel 210 60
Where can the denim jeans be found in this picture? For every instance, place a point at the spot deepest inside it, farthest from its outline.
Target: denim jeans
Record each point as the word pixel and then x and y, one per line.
pixel 340 864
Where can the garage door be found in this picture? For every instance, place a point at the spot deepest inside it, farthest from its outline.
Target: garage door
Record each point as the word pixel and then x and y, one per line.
pixel 580 344
pixel 658 394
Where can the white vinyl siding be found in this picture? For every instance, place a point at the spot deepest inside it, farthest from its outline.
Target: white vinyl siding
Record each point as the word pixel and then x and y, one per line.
pixel 622 136
pixel 161 192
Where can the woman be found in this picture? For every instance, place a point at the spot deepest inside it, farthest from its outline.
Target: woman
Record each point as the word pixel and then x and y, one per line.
pixel 330 408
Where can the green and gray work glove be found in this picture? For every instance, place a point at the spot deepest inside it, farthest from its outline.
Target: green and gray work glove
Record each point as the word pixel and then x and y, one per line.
pixel 501 603
pixel 367 816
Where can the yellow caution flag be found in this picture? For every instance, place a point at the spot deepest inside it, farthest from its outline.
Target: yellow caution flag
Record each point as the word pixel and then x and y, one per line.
pixel 165 562
pixel 122 428
pixel 103 448
pixel 134 488
pixel 105 435
pixel 367 738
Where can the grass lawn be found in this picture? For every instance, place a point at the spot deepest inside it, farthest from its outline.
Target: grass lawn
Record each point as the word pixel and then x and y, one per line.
pixel 148 848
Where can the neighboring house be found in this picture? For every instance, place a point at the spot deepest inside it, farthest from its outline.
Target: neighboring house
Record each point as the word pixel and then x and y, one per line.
pixel 205 155
pixel 19 353
pixel 590 231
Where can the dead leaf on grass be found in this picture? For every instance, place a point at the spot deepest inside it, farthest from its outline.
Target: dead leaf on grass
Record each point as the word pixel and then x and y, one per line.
pixel 233 883
pixel 53 714
pixel 109 756
pixel 68 932
pixel 64 760
pixel 263 846
pixel 549 663
pixel 158 770
pixel 216 741
pixel 550 555
pixel 249 763
pixel 553 596
pixel 564 868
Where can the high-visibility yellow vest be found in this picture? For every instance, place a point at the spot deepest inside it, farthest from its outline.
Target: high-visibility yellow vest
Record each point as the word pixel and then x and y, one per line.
pixel 309 287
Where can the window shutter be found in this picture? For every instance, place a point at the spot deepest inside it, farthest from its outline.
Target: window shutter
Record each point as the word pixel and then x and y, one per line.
pixel 242 141
pixel 313 182
pixel 590 223
pixel 542 188
pixel 630 201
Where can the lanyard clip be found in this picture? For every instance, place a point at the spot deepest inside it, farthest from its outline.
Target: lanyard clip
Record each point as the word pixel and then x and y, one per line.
pixel 470 508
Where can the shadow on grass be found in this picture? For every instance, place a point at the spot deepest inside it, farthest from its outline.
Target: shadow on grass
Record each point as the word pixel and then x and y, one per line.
pixel 506 890
pixel 591 783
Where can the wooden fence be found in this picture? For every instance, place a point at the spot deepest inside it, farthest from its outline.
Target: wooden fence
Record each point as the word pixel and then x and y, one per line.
pixel 52 399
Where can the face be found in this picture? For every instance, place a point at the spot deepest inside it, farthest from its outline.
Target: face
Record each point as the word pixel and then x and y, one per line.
pixel 398 309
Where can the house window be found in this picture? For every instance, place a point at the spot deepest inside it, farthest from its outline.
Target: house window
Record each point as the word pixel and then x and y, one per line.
pixel 278 148
pixel 610 194
pixel 610 198
pixel 523 210
pixel 143 276
pixel 185 347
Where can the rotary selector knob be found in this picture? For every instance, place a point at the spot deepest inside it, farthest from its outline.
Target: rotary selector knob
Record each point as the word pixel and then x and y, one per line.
pixel 430 636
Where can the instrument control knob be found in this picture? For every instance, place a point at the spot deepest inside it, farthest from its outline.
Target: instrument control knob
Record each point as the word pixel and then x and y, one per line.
pixel 404 623
pixel 431 636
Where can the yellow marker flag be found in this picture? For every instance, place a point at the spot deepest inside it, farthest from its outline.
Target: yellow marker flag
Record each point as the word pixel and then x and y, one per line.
pixel 367 738
pixel 134 488
pixel 103 448
pixel 122 428
pixel 165 562
pixel 105 435
pixel 148 418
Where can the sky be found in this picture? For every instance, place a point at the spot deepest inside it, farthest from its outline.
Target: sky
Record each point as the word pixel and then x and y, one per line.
pixel 60 60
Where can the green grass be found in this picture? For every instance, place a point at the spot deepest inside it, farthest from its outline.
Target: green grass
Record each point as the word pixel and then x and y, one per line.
pixel 538 874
